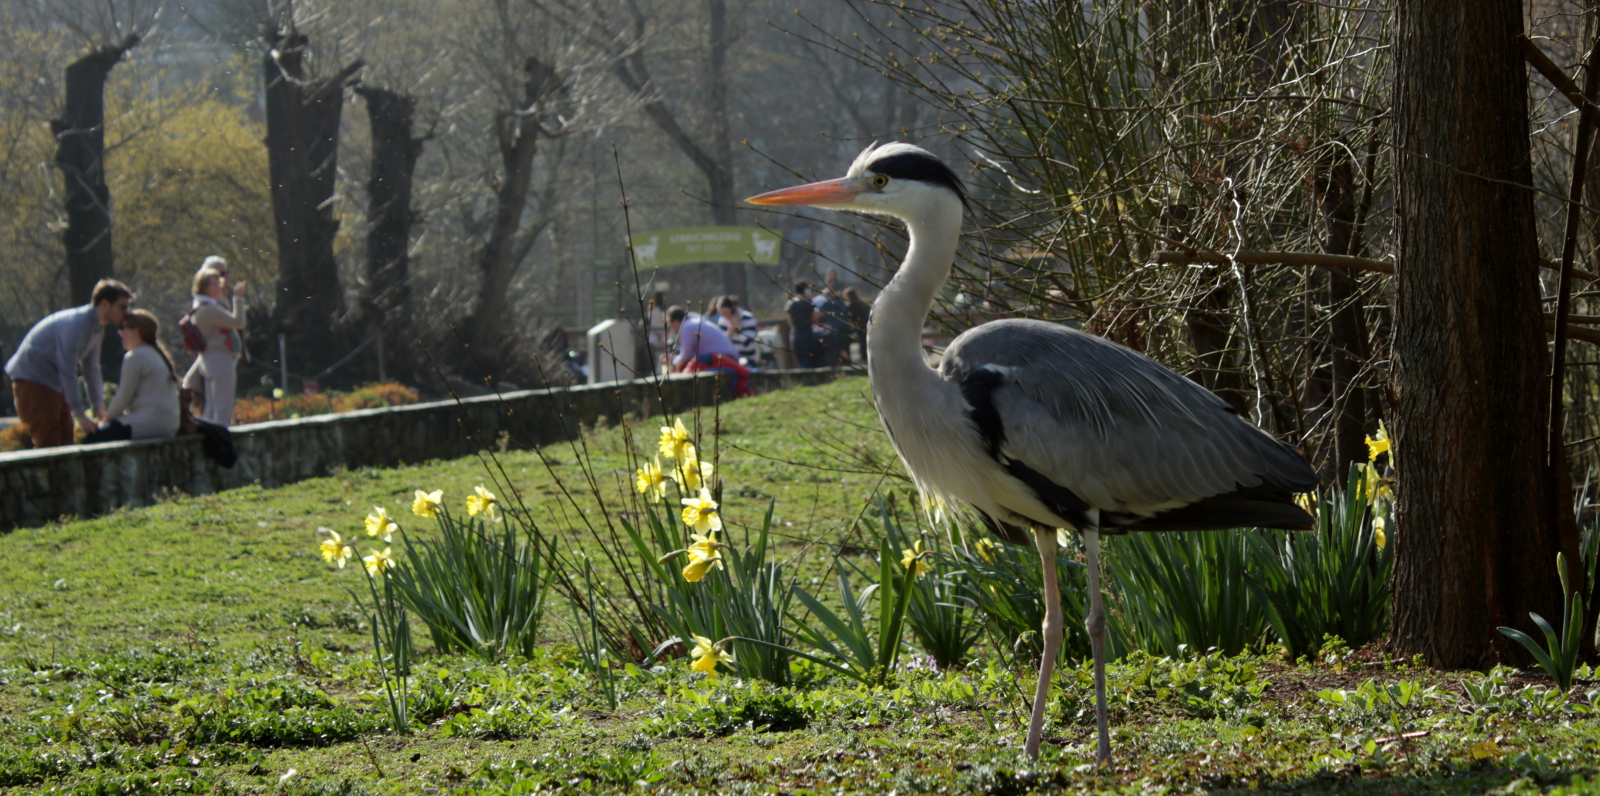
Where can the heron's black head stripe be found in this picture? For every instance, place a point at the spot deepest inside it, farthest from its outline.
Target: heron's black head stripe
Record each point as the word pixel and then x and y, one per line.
pixel 915 166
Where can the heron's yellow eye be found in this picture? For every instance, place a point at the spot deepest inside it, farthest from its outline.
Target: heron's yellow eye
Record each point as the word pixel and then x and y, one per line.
pixel 879 180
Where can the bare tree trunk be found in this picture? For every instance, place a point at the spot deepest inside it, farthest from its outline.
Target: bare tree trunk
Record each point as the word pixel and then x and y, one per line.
pixel 715 162
pixel 387 291
pixel 1476 545
pixel 80 155
pixel 721 181
pixel 303 158
pixel 518 133
pixel 1347 334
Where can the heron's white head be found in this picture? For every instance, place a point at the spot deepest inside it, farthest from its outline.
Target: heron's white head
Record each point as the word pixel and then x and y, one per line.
pixel 896 179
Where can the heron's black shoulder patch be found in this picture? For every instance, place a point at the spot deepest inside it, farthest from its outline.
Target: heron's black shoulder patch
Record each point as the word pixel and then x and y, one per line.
pixel 916 166
pixel 977 388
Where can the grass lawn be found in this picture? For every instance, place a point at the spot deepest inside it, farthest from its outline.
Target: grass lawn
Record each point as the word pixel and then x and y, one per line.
pixel 202 645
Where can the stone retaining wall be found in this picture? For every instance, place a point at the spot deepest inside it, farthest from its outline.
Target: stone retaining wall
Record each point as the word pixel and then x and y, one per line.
pixel 86 480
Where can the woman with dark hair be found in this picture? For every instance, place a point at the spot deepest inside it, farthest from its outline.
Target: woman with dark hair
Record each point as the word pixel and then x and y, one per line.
pixel 146 404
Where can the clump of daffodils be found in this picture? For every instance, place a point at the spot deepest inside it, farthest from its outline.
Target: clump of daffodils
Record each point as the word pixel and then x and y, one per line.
pixel 692 479
pixel 338 551
pixel 685 469
pixel 1379 490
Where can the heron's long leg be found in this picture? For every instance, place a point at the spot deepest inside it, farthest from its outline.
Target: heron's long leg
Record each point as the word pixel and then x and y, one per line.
pixel 1095 623
pixel 1053 626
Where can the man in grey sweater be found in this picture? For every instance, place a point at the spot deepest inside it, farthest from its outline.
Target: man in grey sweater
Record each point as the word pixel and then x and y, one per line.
pixel 44 371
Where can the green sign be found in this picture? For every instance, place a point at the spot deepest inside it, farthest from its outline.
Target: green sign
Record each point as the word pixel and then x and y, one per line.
pixel 669 247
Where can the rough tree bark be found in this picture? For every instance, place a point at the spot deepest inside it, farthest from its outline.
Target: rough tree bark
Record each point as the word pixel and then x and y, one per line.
pixel 518 136
pixel 1476 544
pixel 80 155
pixel 303 157
pixel 387 290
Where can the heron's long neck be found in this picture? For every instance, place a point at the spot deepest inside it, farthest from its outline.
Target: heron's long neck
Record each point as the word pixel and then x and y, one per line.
pixel 894 334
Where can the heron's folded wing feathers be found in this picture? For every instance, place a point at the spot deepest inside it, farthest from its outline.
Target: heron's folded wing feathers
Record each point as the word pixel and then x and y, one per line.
pixel 1123 432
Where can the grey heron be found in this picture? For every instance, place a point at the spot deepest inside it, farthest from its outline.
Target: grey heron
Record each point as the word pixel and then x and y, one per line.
pixel 1035 425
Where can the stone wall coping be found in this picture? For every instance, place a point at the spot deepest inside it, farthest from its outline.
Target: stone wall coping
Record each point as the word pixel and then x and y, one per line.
pixel 37 486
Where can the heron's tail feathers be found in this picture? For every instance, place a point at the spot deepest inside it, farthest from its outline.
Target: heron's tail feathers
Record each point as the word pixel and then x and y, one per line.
pixel 1228 512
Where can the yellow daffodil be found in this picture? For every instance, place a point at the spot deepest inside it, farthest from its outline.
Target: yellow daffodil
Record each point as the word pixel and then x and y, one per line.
pixel 703 555
pixel 485 503
pixel 335 550
pixel 912 559
pixel 706 656
pixel 1379 525
pixel 1379 444
pixel 674 439
pixel 700 512
pixel 692 473
pixel 650 481
pixel 1377 486
pixel 985 549
pixel 379 524
pixel 378 562
pixel 427 504
pixel 1307 501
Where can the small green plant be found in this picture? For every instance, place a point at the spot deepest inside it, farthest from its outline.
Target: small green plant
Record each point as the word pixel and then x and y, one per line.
pixel 387 616
pixel 1187 590
pixel 939 614
pixel 864 652
pixel 478 591
pixel 596 656
pixel 1559 656
pixel 1333 581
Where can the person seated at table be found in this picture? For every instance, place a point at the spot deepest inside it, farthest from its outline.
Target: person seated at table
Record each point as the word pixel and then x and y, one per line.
pixel 739 324
pixel 146 403
pixel 703 346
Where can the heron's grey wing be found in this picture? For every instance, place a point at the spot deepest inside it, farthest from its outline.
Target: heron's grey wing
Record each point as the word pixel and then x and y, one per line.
pixel 1120 431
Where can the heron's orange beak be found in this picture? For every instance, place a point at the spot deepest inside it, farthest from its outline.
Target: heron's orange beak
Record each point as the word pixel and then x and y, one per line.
pixel 827 192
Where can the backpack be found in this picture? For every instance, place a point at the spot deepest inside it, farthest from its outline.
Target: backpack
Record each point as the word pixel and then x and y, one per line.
pixel 193 340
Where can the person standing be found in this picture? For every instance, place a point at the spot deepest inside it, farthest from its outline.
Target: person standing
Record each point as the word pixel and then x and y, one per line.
pixel 219 328
pixel 832 319
pixel 802 338
pixel 860 311
pixel 739 324
pixel 44 371
pixel 146 404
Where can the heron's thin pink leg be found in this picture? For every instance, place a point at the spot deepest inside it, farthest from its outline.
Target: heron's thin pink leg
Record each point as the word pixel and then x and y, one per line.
pixel 1053 626
pixel 1095 623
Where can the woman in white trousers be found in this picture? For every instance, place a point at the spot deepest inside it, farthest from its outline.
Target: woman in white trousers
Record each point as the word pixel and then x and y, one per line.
pixel 215 365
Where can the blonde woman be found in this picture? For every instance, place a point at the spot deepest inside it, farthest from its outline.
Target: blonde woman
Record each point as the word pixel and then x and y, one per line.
pixel 220 329
pixel 146 404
